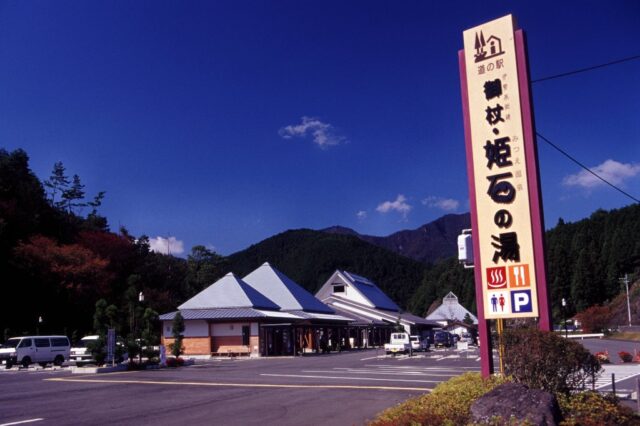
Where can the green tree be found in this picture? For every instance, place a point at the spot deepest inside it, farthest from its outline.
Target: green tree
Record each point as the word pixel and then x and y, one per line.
pixel 204 267
pixel 57 184
pixel 74 195
pixel 100 325
pixel 177 328
pixel 149 331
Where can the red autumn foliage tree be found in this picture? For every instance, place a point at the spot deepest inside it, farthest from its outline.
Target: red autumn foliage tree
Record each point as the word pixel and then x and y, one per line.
pixel 71 267
pixel 595 319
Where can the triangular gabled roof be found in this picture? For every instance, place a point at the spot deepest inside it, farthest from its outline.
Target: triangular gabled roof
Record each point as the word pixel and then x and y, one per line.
pixel 365 291
pixel 451 310
pixel 284 291
pixel 229 292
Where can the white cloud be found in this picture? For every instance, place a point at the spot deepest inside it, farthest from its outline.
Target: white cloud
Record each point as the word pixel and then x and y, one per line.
pixel 611 170
pixel 400 205
pixel 324 134
pixel 166 245
pixel 446 204
pixel 361 215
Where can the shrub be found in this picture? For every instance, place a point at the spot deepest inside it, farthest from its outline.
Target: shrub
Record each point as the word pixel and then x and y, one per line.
pixel 449 403
pixel 593 409
pixel 625 356
pixel 595 319
pixel 175 362
pixel 543 360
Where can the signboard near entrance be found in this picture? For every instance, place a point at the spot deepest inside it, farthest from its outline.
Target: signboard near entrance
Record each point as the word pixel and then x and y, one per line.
pixel 503 172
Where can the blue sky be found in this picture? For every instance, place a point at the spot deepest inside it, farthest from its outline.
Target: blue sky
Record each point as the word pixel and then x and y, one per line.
pixel 223 123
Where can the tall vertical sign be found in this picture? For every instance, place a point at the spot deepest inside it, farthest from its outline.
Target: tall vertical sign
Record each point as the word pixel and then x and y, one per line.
pixel 503 174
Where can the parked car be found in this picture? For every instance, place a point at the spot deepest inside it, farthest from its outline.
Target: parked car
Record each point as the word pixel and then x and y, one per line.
pixel 417 344
pixel 43 350
pixel 468 338
pixel 442 339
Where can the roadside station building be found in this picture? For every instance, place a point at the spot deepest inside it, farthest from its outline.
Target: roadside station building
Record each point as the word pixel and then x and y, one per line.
pixel 375 316
pixel 268 314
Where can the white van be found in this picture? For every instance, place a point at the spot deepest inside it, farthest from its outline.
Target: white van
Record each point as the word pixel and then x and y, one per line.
pixel 43 350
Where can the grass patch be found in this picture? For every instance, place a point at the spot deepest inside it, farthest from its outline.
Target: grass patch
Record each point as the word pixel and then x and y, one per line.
pixel 634 336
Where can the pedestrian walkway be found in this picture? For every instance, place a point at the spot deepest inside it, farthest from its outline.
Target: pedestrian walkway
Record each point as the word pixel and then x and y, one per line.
pixel 621 373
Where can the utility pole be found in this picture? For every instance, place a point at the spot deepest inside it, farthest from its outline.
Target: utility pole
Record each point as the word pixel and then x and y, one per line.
pixel 625 280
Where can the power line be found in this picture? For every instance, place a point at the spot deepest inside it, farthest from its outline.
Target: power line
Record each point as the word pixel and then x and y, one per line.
pixel 586 168
pixel 631 58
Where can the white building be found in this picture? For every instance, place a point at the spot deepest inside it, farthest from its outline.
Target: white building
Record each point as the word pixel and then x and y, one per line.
pixel 451 314
pixel 357 297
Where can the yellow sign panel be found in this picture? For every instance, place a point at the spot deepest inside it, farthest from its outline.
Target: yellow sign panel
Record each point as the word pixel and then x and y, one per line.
pixel 501 189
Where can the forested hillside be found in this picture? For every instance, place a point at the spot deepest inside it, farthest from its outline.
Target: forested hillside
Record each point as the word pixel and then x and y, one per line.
pixel 310 257
pixel 585 262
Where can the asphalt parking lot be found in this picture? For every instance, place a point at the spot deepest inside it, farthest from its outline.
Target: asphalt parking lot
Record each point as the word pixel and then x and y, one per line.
pixel 348 388
pixel 336 389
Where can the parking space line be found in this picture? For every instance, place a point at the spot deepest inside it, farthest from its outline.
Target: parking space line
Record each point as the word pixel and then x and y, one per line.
pixel 380 372
pixel 354 378
pixel 20 422
pixel 240 385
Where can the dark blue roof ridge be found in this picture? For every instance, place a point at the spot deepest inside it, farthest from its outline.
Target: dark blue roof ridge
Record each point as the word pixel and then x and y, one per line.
pixel 258 299
pixel 307 301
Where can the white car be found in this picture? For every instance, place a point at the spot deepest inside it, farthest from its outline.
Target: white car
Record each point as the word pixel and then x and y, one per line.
pixel 81 352
pixel 27 350
pixel 418 344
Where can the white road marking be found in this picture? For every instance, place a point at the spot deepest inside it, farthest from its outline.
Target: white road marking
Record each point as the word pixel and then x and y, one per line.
pixel 22 422
pixel 383 373
pixel 348 378
pixel 448 357
pixel 432 368
pixel 373 357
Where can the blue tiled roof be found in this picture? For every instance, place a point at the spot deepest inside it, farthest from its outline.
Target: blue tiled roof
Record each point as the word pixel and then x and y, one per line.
pixel 371 292
pixel 282 290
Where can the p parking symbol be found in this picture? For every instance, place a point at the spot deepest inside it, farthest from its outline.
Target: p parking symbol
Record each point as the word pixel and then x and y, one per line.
pixel 521 301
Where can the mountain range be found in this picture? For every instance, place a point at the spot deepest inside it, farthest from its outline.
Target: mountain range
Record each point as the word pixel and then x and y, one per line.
pixel 427 244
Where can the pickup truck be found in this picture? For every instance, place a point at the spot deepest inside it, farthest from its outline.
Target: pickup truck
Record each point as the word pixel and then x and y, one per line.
pixel 399 343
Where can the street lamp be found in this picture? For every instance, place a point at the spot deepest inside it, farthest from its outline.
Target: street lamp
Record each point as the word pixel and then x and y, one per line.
pixel 564 315
pixel 141 300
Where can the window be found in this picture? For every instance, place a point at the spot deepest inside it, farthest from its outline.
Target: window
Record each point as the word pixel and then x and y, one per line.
pixel 42 343
pixel 60 341
pixel 246 332
pixel 338 289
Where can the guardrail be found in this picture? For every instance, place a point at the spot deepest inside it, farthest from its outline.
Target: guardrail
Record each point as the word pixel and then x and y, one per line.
pixel 585 336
